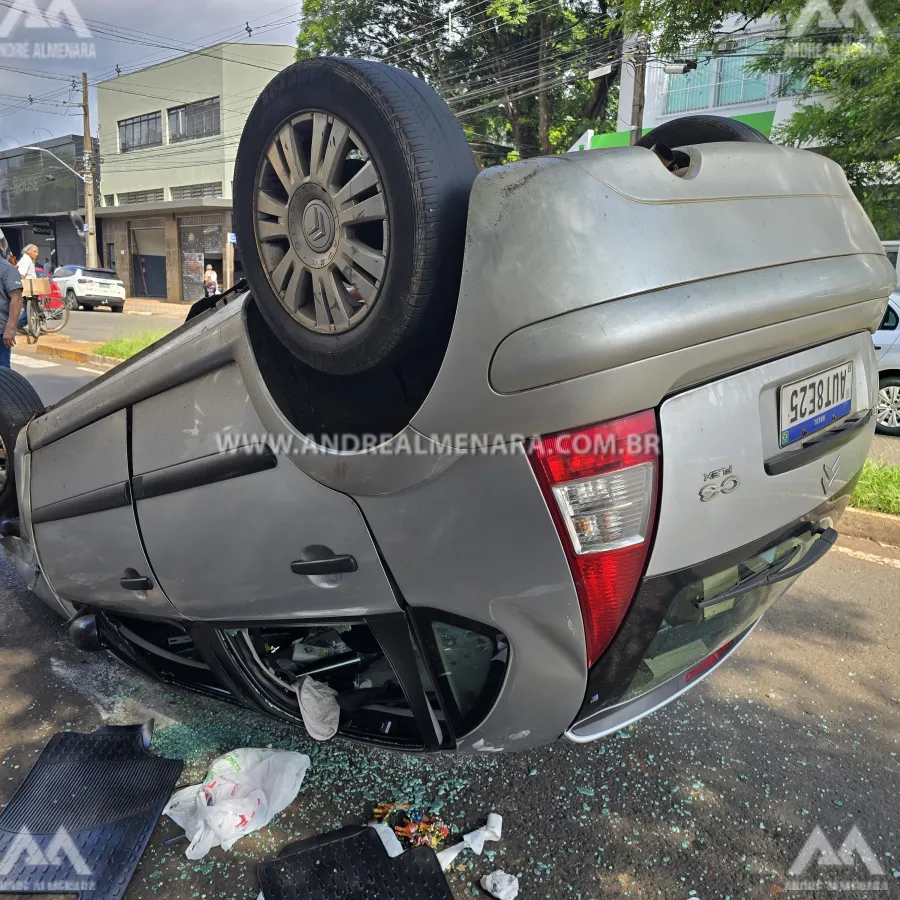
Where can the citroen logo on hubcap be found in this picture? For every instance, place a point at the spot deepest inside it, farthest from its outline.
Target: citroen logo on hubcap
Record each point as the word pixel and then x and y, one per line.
pixel 318 226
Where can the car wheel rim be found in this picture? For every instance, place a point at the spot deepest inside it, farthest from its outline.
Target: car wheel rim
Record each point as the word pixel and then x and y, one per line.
pixel 887 412
pixel 321 222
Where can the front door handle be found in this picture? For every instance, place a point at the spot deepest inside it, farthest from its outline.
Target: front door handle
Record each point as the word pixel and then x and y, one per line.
pixel 132 580
pixel 333 565
pixel 877 347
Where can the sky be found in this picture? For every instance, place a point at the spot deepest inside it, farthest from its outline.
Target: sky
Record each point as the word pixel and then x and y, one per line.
pixel 95 36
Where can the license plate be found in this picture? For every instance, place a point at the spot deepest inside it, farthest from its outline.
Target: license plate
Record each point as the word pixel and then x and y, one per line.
pixel 814 403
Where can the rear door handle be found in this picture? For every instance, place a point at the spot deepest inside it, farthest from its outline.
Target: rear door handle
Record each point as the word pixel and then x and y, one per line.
pixel 333 565
pixel 877 347
pixel 132 580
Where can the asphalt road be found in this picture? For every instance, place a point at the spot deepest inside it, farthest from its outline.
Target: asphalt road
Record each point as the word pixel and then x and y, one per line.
pixel 53 379
pixel 714 796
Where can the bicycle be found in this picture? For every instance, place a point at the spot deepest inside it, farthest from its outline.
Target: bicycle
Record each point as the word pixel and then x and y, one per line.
pixel 45 315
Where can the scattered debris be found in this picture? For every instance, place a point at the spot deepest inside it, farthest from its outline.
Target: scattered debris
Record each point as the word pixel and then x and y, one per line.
pixel 500 885
pixel 474 840
pixel 419 829
pixel 242 791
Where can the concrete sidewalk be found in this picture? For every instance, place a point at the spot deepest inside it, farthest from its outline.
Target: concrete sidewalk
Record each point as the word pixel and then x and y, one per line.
pixel 62 347
pixel 145 306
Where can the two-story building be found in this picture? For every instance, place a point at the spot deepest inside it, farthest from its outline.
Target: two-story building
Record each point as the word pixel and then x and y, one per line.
pixel 168 139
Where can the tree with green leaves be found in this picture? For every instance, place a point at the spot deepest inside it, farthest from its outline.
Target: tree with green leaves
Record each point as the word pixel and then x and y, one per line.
pixel 514 71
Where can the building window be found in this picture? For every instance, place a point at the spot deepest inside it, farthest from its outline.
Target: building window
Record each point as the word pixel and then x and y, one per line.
pixel 152 196
pixel 726 81
pixel 109 199
pixel 195 120
pixel 792 86
pixel 690 91
pixel 140 131
pixel 196 191
pixel 737 82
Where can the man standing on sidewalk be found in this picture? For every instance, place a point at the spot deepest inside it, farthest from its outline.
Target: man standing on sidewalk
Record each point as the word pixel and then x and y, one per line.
pixel 27 270
pixel 10 308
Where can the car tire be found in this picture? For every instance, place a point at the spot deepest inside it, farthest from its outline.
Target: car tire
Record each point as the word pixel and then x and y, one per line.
pixel 18 404
pixel 87 307
pixel 701 130
pixel 887 410
pixel 71 300
pixel 349 292
pixel 117 308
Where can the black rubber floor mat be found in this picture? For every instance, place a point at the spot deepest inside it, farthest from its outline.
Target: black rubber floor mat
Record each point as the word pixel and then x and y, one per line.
pixel 82 818
pixel 352 864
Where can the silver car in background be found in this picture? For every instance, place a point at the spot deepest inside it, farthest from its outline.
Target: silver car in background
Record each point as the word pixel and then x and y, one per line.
pixel 887 350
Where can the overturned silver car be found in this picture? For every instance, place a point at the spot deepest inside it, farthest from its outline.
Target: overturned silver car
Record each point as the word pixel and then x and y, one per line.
pixel 497 457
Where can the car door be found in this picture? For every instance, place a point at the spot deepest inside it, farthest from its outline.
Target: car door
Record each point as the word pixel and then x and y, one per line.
pixel 888 331
pixel 84 524
pixel 244 534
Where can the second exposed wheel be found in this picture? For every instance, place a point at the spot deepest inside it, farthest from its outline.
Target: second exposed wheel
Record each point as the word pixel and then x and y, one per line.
pixel 887 410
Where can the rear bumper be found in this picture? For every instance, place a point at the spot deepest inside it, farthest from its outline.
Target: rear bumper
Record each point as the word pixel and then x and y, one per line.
pixel 101 300
pixel 604 711
pixel 620 716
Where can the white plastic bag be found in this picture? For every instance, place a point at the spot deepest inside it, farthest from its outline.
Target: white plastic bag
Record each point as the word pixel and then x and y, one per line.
pixel 241 793
pixel 319 708
pixel 500 885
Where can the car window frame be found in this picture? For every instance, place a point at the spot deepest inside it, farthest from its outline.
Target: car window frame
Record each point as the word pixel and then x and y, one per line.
pixel 890 311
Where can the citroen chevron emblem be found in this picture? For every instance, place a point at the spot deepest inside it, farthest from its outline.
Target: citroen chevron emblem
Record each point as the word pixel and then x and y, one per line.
pixel 830 474
pixel 317 232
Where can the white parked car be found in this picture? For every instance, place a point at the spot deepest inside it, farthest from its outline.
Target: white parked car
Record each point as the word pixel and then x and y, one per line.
pixel 90 287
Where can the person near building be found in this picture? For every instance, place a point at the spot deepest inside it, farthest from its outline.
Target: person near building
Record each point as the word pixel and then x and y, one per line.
pixel 210 281
pixel 26 263
pixel 10 307
pixel 26 270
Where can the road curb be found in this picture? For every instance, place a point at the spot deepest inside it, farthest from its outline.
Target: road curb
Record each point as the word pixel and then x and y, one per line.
pixel 76 355
pixel 872 525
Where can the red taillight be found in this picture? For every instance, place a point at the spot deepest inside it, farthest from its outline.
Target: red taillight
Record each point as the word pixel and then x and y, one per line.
pixel 600 484
pixel 55 292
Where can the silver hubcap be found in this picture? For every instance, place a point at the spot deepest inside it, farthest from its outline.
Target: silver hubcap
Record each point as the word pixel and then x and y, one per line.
pixel 321 223
pixel 887 412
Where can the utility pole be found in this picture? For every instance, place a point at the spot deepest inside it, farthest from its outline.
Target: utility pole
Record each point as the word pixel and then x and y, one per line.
pixel 637 97
pixel 90 238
